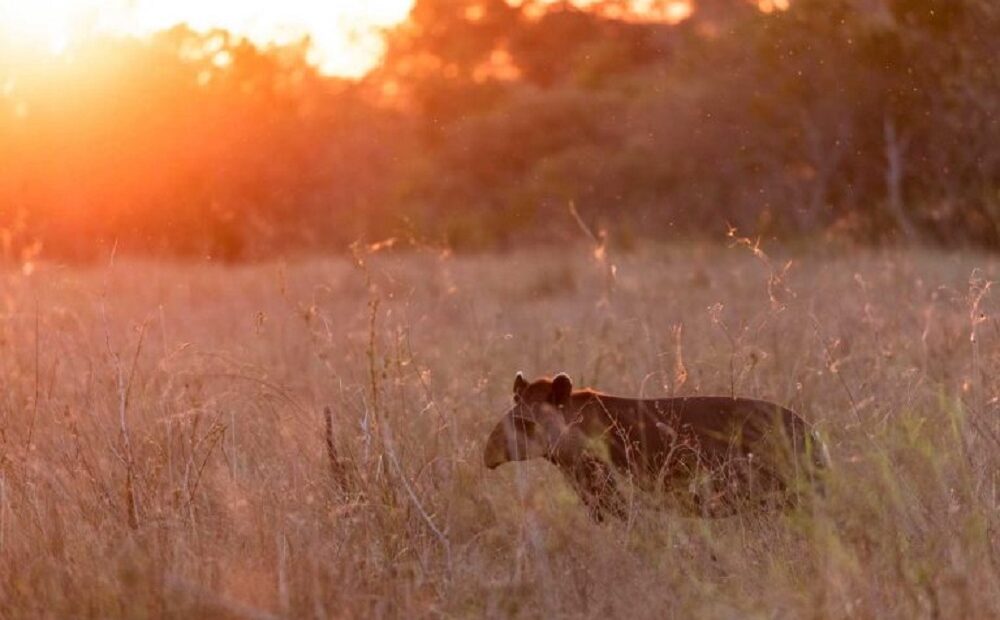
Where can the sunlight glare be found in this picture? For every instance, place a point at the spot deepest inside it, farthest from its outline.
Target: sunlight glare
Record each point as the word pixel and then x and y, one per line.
pixel 345 37
pixel 49 25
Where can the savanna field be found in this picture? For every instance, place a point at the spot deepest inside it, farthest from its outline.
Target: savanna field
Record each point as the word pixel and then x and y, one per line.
pixel 303 439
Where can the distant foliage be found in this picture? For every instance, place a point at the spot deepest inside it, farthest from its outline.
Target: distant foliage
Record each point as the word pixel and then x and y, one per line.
pixel 871 120
pixel 875 120
pixel 186 144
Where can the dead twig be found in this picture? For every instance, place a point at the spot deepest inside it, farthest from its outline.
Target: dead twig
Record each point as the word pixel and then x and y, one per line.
pixel 338 471
pixel 124 388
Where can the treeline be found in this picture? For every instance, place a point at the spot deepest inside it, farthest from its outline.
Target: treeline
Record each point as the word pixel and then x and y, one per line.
pixel 871 120
pixel 185 144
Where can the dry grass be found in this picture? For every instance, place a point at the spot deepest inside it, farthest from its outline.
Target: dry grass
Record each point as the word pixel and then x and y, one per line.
pixel 163 452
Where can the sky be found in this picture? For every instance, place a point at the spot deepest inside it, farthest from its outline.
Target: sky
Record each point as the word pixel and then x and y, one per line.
pixel 344 33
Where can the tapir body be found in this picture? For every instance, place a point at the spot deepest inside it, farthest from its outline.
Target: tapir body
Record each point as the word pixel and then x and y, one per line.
pixel 709 456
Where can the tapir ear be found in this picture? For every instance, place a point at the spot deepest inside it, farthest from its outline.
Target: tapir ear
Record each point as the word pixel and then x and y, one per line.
pixel 562 388
pixel 519 384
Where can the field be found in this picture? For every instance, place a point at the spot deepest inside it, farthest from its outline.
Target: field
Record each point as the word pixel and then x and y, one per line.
pixel 163 435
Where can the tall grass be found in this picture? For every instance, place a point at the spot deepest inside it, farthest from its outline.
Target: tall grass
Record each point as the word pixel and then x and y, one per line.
pixel 304 440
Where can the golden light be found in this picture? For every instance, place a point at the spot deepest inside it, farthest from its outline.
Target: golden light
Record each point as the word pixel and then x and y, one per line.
pixel 47 25
pixel 345 37
pixel 669 11
pixel 770 6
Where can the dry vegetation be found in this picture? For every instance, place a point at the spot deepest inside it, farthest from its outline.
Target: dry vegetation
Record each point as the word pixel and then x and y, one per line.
pixel 162 436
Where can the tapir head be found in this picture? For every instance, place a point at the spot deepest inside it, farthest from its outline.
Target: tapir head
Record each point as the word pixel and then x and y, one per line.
pixel 536 426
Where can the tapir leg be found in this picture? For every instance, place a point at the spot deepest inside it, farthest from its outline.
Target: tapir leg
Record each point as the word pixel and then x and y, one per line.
pixel 595 483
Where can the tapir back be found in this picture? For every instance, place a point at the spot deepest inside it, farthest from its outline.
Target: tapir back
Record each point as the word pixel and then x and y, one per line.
pixel 742 446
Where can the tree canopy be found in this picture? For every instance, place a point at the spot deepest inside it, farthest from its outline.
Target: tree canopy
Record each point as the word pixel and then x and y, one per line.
pixel 874 120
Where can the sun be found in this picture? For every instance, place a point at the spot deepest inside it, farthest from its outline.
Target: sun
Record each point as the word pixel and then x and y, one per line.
pixel 47 25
